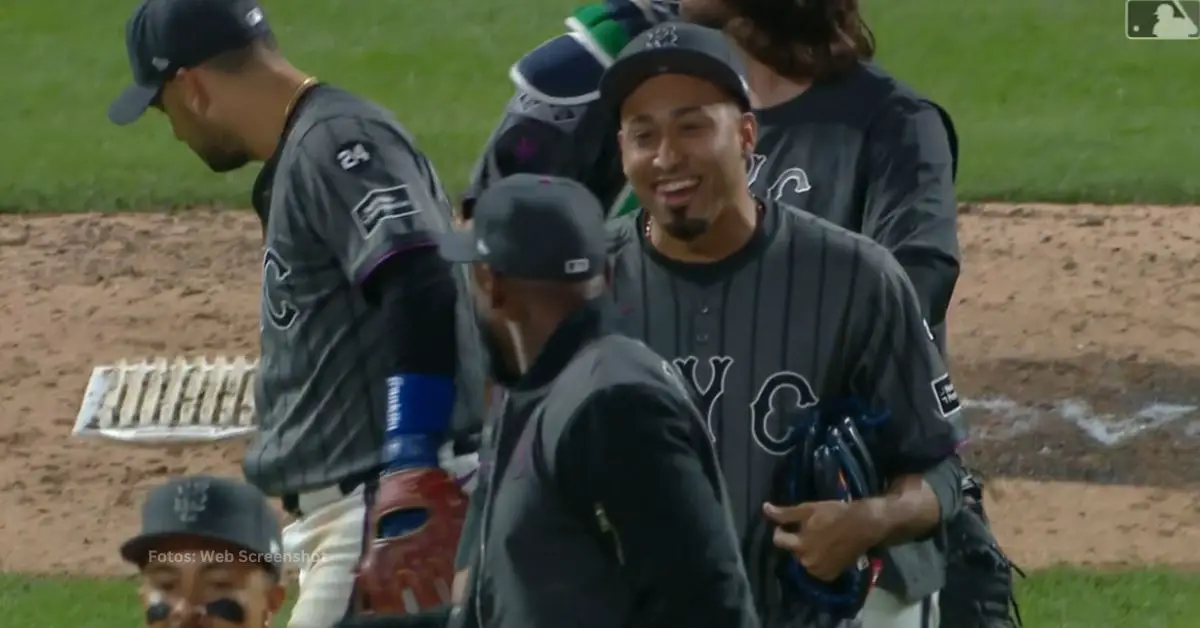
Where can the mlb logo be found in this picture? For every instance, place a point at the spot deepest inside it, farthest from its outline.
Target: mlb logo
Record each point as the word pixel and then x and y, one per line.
pixel 1162 19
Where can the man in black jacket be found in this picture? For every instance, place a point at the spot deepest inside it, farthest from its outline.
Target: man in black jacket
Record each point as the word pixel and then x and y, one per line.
pixel 602 502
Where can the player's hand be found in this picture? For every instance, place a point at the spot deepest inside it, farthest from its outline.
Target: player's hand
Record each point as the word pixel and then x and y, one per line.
pixel 827 537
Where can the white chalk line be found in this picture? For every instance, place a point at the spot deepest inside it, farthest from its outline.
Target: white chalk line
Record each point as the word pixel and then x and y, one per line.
pixel 1106 429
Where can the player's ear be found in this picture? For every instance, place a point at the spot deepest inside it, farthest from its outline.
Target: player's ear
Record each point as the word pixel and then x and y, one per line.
pixel 193 92
pixel 492 287
pixel 749 132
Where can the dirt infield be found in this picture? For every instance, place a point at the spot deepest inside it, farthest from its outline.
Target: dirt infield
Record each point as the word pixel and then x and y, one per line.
pixel 1073 330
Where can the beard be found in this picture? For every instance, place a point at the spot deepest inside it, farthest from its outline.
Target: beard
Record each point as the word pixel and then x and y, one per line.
pixel 494 358
pixel 683 228
pixel 221 162
pixel 218 148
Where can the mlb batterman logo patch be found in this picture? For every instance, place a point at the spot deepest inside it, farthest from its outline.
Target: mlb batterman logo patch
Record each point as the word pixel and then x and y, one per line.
pixel 1162 19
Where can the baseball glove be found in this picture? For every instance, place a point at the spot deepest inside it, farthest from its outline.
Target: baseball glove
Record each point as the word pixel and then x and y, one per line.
pixel 408 562
pixel 832 462
pixel 979 577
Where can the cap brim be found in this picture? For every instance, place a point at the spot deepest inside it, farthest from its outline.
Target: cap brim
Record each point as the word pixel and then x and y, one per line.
pixel 137 550
pixel 457 247
pixel 132 103
pixel 627 74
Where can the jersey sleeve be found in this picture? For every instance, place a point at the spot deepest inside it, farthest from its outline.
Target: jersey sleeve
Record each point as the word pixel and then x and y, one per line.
pixel 366 192
pixel 900 372
pixel 910 205
pixel 529 138
pixel 640 462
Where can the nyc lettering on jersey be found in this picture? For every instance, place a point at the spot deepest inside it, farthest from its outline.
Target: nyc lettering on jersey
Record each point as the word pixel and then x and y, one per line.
pixel 771 414
pixel 787 187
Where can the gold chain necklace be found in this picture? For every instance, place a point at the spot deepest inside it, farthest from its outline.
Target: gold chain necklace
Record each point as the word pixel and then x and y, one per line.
pixel 304 87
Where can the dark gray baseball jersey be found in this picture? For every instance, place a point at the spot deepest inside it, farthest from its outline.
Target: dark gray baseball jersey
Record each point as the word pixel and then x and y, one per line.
pixel 349 190
pixel 871 155
pixel 806 312
pixel 865 152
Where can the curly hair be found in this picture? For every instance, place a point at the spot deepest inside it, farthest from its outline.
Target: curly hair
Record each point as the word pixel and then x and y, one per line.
pixel 803 39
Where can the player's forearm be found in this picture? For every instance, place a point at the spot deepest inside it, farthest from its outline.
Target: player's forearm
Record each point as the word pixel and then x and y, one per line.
pixel 417 294
pixel 916 506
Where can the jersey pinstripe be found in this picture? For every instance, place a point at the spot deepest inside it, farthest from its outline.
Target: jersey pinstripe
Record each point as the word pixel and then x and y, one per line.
pixel 806 312
pixel 350 190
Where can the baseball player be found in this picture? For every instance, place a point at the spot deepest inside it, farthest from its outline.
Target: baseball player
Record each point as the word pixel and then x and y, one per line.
pixel 361 322
pixel 208 554
pixel 771 313
pixel 839 137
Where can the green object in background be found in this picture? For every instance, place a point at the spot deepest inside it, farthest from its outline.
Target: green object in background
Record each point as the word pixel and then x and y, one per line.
pixel 626 203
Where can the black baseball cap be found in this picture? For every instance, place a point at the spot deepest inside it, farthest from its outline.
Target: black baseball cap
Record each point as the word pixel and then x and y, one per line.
pixel 533 227
pixel 676 48
pixel 163 36
pixel 209 507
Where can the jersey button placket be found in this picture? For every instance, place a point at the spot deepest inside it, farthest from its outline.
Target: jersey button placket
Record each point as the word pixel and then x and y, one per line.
pixel 704 324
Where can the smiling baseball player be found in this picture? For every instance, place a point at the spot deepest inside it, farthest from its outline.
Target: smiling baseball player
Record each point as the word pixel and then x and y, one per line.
pixel 839 137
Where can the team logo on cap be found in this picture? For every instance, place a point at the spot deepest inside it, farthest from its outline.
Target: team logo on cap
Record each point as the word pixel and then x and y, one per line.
pixel 577 266
pixel 191 498
pixel 663 37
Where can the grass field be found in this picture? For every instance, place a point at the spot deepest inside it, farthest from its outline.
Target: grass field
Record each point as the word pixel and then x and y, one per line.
pixel 1106 119
pixel 1051 101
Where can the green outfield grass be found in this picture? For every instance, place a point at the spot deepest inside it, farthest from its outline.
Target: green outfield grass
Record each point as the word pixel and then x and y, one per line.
pixel 1053 103
pixel 1059 598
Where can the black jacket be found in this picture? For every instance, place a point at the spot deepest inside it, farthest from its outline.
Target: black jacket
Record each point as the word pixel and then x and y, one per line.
pixel 602 501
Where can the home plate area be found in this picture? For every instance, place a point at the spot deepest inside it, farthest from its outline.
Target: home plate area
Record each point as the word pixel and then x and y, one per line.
pixel 1071 337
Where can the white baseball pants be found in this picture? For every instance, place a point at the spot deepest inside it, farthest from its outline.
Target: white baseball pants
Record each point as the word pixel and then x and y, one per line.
pixel 884 610
pixel 327 543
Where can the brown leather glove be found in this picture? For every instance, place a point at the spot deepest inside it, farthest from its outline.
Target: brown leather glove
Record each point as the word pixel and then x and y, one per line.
pixel 415 524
